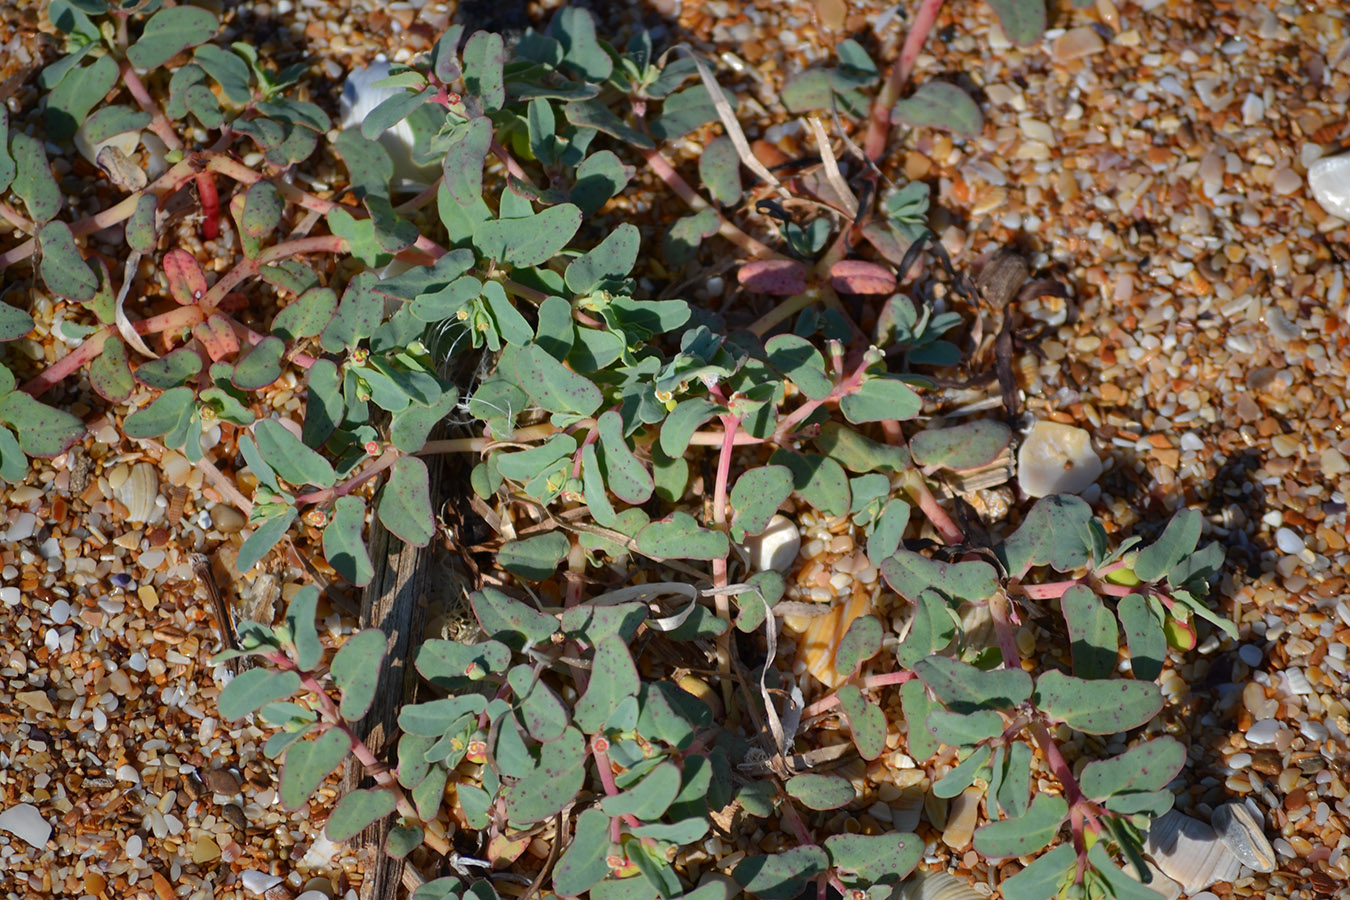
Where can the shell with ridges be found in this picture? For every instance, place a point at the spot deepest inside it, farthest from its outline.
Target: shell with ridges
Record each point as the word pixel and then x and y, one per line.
pixel 935 886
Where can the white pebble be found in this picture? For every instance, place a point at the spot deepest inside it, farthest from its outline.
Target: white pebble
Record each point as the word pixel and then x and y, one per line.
pixel 25 821
pixel 10 596
pixel 25 524
pixel 1250 654
pixel 1263 731
pixel 1314 730
pixel 1057 459
pixel 1240 760
pixel 1297 682
pixel 1191 442
pixel 1288 541
pixel 128 772
pixel 1329 179
pixel 134 846
pixel 776 547
pixel 60 612
pixel 256 882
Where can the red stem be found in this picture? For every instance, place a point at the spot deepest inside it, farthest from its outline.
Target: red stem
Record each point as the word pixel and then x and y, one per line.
pixel 206 192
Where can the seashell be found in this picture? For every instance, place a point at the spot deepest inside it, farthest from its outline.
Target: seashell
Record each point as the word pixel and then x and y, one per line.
pixel 359 98
pixel 1057 459
pixel 1189 852
pixel 776 547
pixel 256 882
pixel 1241 833
pixel 935 886
pixel 139 491
pixel 1329 180
pixel 820 639
pixel 1169 889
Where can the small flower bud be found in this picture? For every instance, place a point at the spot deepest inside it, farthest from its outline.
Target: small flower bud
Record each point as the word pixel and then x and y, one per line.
pixel 316 517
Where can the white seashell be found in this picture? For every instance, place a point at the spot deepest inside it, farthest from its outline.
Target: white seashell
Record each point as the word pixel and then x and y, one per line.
pixel 1241 833
pixel 139 491
pixel 1190 853
pixel 256 882
pixel 126 142
pixel 1057 459
pixel 776 547
pixel 359 97
pixel 1169 889
pixel 935 886
pixel 26 822
pixel 1329 179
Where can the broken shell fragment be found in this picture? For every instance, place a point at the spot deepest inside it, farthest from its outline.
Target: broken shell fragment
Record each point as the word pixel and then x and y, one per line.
pixel 1329 179
pixel 1159 882
pixel 139 492
pixel 776 547
pixel 1057 459
pixel 1241 833
pixel 1189 852
pixel 935 886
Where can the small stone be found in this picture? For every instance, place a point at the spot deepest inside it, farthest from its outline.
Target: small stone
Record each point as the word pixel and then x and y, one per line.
pixel 227 519
pixel 1288 541
pixel 1329 179
pixel 1263 731
pixel 36 700
pixel 221 781
pixel 1334 463
pixel 1286 181
pixel 962 814
pixel 1075 44
pixel 1250 654
pixel 205 850
pixel 776 547
pixel 1242 834
pixel 259 883
pixel 25 821
pixel 1057 459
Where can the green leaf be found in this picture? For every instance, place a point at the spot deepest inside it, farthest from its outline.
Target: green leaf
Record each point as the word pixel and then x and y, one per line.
pixel 940 104
pixel 821 791
pixel 463 163
pixel 109 373
pixel 435 717
pixel 613 677
pixel 916 706
pixel 170 31
pixel 343 545
pixel 865 720
pixel 308 763
pixel 965 729
pixel 43 430
pixel 719 168
pixel 910 574
pixel 756 497
pixel 356 671
pixel 1025 834
pixel 307 315
pixel 263 208
pixel 392 110
pixel 685 419
pixel 497 614
pixel 260 365
pixel 253 689
pixel 449 661
pixel 781 876
pixel 650 798
pixel 509 323
pixel 1097 707
pixel 600 177
pixel 888 531
pixel 304 635
pixel 799 360
pixel 553 784
pixel 534 558
pixel 931 630
pixel 671 714
pixel 530 240
pixel 554 386
pixel 540 709
pixel 681 241
pixel 484 55
pixel 574 29
pixel 963 447
pixel 678 536
pixel 405 503
pixel 63 268
pixel 820 480
pixel 14 324
pixel 684 111
pixel 325 407
pixel 965 688
pixel 1092 631
pixel 111 121
pixel 78 91
pixel 290 458
pixel 857 453
pixel 359 313
pixel 1144 636
pixel 1014 788
pixel 1053 533
pixel 1023 21
pixel 610 260
pixel 1177 541
pixel 33 180
pixel 963 776
pixel 1119 884
pixel 356 810
pixel 583 863
pixel 880 398
pixel 874 859
pixel 1044 878
pixel 264 538
pixel 860 642
pixel 1146 767
pixel 228 69
pixel 403 839
pixel 625 476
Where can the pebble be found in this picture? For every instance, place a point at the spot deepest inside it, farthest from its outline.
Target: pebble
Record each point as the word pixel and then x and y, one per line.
pixel 1288 541
pixel 1250 654
pixel 256 882
pixel 1329 180
pixel 25 821
pixel 1241 833
pixel 962 814
pixel 1263 731
pixel 1057 459
pixel 776 547
pixel 227 519
pixel 1075 44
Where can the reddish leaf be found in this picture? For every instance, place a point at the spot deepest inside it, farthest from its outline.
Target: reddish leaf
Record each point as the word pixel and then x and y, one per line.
pixel 217 337
pixel 187 281
pixel 856 276
pixel 773 276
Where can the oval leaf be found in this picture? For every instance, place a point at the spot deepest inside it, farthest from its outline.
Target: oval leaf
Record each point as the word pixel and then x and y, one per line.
pixel 939 104
pixel 357 810
pixel 356 669
pixel 1097 707
pixel 308 763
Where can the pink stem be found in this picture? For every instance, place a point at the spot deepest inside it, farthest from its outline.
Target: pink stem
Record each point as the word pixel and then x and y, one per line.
pixel 158 123
pixel 386 459
pixel 666 172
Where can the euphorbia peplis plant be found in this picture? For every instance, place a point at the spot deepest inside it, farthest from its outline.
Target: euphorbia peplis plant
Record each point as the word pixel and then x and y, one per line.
pixel 557 719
